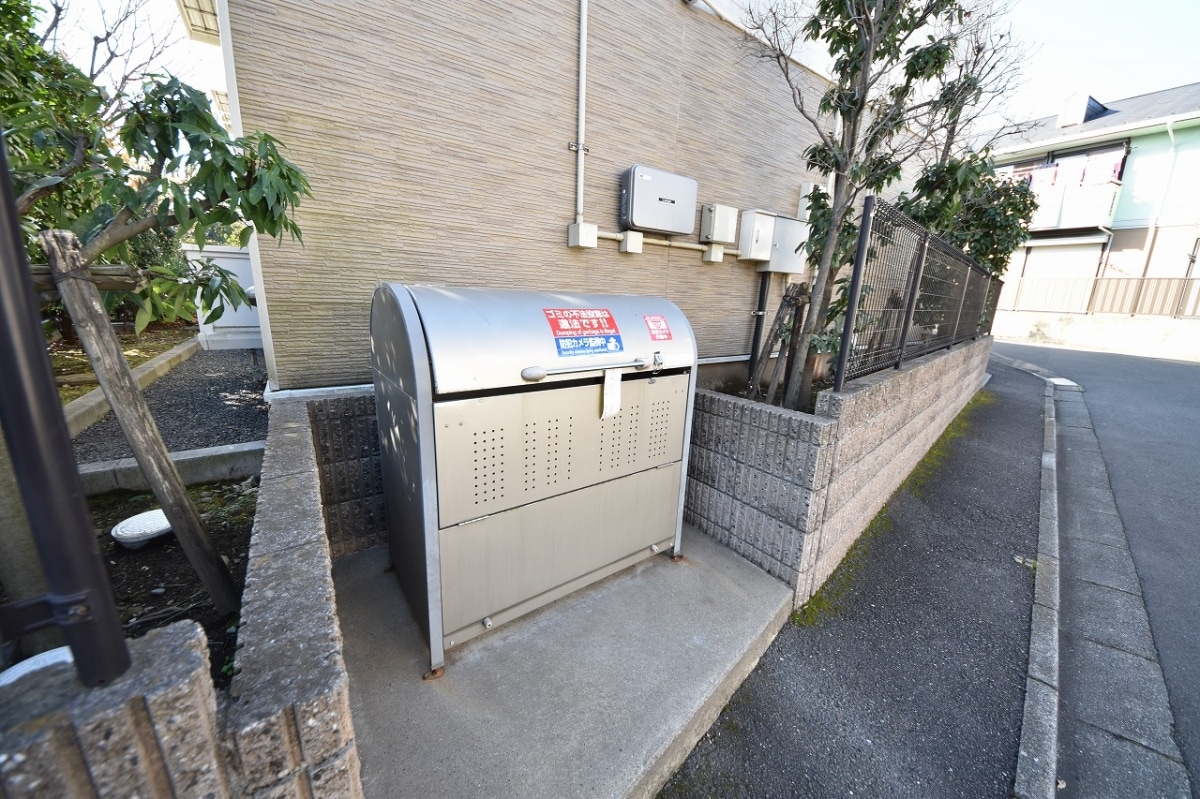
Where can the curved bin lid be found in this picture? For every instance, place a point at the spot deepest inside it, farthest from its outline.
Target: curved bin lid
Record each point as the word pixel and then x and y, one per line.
pixel 481 339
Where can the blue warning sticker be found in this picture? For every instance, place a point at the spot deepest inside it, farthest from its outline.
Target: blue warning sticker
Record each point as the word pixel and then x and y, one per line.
pixel 587 345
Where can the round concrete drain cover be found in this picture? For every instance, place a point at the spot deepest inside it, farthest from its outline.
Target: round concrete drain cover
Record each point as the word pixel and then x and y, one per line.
pixel 137 530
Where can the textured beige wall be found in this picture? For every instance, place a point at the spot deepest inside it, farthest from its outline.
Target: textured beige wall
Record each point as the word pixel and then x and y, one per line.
pixel 435 137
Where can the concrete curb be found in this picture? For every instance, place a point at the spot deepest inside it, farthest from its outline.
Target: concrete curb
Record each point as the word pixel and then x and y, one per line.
pixel 1037 758
pixel 91 407
pixel 207 465
pixel 685 738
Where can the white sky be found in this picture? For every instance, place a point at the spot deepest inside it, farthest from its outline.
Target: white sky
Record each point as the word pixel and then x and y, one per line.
pixel 1109 49
pixel 193 62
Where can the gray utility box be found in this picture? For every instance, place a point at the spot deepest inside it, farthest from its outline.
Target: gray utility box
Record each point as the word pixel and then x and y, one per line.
pixel 655 201
pixel 532 443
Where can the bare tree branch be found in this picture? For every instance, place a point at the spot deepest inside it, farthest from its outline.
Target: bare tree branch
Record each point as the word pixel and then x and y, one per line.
pixel 57 7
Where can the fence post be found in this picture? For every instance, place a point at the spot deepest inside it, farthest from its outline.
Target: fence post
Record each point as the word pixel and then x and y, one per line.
pixel 860 257
pixel 914 293
pixel 79 599
pixel 961 301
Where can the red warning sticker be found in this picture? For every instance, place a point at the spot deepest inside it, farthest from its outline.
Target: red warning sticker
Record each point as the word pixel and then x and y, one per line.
pixel 583 331
pixel 658 327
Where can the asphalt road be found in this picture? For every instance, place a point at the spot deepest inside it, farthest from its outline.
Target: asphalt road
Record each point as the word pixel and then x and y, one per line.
pixel 913 684
pixel 1146 414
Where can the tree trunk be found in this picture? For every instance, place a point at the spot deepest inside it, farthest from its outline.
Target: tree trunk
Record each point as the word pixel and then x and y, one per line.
pixel 810 361
pixel 83 302
pixel 20 567
pixel 799 387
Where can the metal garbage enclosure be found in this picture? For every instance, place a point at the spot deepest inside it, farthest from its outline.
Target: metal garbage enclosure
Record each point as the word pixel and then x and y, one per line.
pixel 532 443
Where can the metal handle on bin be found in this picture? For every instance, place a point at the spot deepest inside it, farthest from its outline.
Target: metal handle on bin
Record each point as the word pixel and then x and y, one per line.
pixel 536 373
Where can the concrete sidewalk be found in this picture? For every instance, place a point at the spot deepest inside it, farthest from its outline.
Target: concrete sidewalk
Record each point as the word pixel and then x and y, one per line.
pixel 1115 728
pixel 600 694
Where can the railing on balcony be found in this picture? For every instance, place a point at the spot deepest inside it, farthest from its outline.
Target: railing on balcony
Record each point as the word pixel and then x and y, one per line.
pixel 1090 205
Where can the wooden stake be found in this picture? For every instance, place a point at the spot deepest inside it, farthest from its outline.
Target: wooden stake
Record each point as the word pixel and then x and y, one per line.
pixel 116 379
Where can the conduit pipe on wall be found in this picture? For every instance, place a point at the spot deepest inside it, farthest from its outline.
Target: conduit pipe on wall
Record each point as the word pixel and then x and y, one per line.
pixel 580 233
pixel 1155 223
pixel 675 245
pixel 580 149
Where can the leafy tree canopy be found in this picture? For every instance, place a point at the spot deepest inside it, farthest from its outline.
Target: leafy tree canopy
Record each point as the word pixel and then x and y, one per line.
pixel 968 205
pixel 160 161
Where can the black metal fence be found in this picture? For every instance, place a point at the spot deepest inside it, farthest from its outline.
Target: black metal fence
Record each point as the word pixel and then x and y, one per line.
pixel 910 294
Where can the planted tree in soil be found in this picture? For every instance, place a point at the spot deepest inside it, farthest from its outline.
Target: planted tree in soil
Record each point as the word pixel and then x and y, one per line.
pixel 160 161
pixel 909 77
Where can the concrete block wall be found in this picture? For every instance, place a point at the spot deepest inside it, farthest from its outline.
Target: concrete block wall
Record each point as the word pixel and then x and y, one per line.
pixel 346 436
pixel 757 478
pixel 288 726
pixel 153 732
pixel 792 491
pixel 285 728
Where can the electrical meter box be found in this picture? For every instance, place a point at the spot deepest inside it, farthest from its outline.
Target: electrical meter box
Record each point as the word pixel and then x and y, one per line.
pixel 718 224
pixel 787 247
pixel 758 231
pixel 654 201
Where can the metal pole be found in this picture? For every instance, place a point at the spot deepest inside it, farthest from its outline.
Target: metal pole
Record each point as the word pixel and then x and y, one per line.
pixel 914 292
pixel 764 285
pixel 79 601
pixel 961 301
pixel 860 257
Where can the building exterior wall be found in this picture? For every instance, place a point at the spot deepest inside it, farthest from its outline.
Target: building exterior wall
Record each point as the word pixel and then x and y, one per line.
pixel 1157 217
pixel 435 136
pixel 1134 290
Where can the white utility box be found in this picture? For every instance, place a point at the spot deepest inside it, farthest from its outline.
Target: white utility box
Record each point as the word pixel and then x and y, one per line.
pixel 787 247
pixel 758 231
pixel 718 224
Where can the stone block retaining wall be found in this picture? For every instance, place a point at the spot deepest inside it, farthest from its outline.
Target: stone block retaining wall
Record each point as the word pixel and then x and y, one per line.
pixel 160 730
pixel 152 733
pixel 791 491
pixel 346 435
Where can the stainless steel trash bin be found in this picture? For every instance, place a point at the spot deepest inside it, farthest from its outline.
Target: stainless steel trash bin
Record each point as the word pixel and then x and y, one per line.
pixel 532 443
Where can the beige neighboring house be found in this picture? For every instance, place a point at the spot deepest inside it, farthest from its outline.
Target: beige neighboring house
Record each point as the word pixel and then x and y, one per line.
pixel 1111 259
pixel 441 141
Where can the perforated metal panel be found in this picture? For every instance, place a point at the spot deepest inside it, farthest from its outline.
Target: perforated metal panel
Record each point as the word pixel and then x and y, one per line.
pixel 500 452
pixel 507 471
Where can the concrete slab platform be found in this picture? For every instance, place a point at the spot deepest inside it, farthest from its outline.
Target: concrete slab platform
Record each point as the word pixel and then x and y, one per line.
pixel 1107 616
pixel 1118 692
pixel 1092 525
pixel 601 694
pixel 1116 766
pixel 1098 563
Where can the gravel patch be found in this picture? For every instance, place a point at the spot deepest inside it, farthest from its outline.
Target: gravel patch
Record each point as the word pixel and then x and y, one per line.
pixel 211 399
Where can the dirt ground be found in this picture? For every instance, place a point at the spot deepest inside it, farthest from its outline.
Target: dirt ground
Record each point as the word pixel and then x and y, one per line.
pixel 155 585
